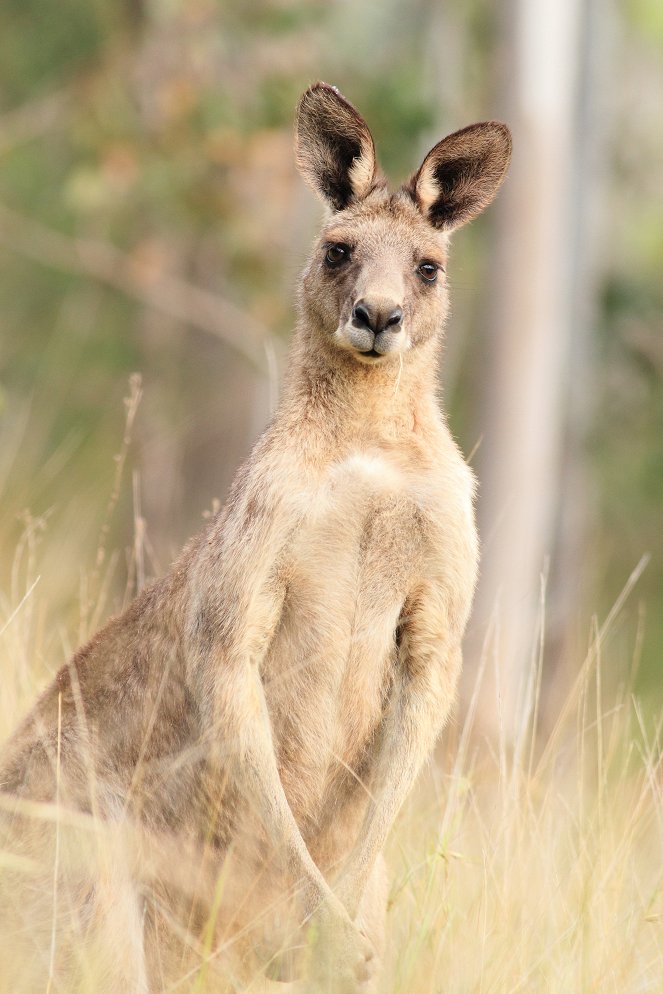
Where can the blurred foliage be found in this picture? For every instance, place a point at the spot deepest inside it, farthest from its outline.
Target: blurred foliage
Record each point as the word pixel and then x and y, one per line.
pixel 163 128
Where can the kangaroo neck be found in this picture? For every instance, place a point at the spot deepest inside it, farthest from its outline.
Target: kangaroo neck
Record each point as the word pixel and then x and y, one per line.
pixel 332 396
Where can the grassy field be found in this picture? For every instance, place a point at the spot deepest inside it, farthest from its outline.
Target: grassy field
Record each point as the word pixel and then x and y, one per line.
pixel 536 868
pixel 529 866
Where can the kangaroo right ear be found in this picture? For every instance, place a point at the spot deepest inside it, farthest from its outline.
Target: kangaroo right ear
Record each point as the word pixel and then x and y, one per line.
pixel 334 148
pixel 461 174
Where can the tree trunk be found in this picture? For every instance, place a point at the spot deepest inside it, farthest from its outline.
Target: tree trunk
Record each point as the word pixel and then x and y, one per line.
pixel 527 347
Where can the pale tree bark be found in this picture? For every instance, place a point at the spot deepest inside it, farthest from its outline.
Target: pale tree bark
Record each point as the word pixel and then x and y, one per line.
pixel 572 576
pixel 527 350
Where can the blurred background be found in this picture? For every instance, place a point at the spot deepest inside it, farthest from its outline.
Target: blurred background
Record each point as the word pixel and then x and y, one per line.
pixel 152 222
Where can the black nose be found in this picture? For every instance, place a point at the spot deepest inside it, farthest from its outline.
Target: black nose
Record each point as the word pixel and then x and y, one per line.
pixel 394 318
pixel 375 318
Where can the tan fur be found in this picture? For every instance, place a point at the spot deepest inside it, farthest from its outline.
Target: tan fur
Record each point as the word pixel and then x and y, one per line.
pixel 260 714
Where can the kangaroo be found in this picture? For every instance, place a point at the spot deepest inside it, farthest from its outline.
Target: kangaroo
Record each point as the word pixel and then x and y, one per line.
pixel 260 714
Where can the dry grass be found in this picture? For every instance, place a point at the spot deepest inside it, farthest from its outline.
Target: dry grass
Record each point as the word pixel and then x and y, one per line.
pixel 527 868
pixel 541 866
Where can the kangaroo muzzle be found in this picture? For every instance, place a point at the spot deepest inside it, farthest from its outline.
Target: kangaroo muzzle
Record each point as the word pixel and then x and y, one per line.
pixel 375 326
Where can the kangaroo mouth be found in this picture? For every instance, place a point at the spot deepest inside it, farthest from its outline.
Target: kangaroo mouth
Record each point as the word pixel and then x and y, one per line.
pixel 367 346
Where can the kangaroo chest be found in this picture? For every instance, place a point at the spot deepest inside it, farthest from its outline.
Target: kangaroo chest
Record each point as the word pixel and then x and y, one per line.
pixel 357 546
pixel 350 565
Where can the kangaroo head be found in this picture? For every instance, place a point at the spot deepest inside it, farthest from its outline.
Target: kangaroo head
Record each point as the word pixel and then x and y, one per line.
pixel 375 284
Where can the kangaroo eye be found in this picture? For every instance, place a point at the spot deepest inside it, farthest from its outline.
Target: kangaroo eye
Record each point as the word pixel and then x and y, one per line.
pixel 428 271
pixel 336 254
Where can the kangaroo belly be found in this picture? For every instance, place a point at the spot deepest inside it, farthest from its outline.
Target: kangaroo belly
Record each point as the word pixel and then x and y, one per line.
pixel 329 670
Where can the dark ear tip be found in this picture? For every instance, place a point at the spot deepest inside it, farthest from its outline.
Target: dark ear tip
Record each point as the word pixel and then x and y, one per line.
pixel 505 133
pixel 317 90
pixel 322 91
pixel 310 101
pixel 486 129
pixel 321 85
pixel 500 133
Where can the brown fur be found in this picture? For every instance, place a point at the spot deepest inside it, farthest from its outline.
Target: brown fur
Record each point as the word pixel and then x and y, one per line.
pixel 263 710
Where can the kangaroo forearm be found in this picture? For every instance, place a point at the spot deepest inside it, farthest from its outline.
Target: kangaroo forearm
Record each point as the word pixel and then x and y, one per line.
pixel 257 770
pixel 408 738
pixel 379 820
pixel 262 783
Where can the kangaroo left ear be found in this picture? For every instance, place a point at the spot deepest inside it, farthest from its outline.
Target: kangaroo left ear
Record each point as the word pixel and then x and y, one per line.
pixel 461 175
pixel 334 148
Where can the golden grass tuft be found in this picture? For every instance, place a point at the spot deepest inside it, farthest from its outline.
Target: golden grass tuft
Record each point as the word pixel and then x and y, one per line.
pixel 522 867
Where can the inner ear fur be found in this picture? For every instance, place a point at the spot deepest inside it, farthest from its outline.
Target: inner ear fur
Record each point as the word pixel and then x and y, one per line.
pixel 334 147
pixel 462 173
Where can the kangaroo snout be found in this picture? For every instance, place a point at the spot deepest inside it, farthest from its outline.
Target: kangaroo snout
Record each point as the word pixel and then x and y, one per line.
pixel 377 316
pixel 374 326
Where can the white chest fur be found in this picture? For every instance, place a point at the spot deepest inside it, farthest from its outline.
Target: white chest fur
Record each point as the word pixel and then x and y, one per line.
pixel 373 469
